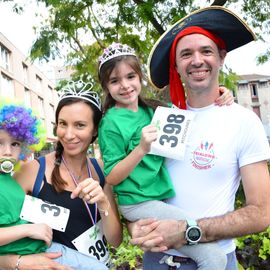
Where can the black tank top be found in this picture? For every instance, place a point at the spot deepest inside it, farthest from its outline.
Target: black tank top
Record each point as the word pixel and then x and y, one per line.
pixel 79 219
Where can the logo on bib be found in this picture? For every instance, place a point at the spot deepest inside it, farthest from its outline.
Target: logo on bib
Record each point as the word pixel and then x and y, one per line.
pixel 204 156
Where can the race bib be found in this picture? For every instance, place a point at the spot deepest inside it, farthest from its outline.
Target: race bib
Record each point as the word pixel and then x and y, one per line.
pixel 93 243
pixel 36 210
pixel 173 126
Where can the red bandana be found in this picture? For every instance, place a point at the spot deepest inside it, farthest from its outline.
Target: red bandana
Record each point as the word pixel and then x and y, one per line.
pixel 177 91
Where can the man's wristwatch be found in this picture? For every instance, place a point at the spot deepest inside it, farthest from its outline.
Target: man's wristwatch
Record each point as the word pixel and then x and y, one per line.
pixel 193 232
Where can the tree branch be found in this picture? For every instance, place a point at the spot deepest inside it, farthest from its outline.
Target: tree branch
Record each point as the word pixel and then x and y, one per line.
pixel 91 12
pixel 219 3
pixel 151 18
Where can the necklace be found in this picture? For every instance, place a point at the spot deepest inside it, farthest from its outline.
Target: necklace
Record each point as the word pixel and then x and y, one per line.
pixel 93 219
pixel 78 177
pixel 71 173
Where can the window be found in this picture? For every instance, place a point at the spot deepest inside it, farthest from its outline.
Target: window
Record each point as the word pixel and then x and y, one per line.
pixel 39 84
pixel 254 92
pixel 25 73
pixel 50 129
pixel 7 88
pixel 51 121
pixel 50 93
pixel 263 85
pixel 51 113
pixel 5 57
pixel 243 86
pixel 27 98
pixel 41 107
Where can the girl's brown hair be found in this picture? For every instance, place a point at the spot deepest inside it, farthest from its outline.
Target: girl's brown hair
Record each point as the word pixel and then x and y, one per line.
pixel 104 76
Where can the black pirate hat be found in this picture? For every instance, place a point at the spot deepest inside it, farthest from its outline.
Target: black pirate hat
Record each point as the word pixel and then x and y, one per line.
pixel 216 19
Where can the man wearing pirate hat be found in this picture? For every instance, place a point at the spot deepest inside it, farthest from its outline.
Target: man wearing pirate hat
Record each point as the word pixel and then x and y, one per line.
pixel 227 144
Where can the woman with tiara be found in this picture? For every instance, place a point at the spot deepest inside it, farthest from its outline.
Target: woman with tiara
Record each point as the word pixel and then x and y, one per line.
pixel 68 178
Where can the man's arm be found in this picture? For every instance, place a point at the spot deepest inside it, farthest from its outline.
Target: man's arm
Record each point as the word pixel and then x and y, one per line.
pixel 253 217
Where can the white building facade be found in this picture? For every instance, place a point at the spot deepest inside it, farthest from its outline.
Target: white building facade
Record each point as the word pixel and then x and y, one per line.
pixel 253 92
pixel 21 80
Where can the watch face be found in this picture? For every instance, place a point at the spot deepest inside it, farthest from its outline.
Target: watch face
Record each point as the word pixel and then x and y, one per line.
pixel 193 234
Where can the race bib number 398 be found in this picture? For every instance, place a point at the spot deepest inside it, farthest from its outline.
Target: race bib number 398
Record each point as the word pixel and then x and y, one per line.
pixel 173 126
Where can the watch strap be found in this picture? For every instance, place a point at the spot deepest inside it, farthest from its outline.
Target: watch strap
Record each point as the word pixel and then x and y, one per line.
pixel 191 222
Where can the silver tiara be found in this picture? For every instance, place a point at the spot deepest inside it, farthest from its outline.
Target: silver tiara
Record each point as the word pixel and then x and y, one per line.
pixel 80 89
pixel 115 50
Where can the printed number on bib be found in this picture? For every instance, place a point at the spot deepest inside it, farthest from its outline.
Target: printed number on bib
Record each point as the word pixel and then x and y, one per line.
pixel 93 243
pixel 173 127
pixel 36 210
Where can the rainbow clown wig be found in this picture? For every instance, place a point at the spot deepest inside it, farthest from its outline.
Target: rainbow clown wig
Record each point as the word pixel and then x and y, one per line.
pixel 22 125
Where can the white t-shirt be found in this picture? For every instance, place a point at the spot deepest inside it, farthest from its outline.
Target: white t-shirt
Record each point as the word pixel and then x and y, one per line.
pixel 222 140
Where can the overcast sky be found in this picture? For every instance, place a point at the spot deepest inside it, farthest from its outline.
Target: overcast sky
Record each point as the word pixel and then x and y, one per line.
pixel 18 29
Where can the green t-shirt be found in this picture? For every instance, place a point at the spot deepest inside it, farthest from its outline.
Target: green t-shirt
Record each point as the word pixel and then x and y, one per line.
pixel 119 133
pixel 11 201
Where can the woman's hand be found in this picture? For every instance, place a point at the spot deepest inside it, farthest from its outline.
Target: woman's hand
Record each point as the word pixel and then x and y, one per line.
pixel 226 98
pixel 90 191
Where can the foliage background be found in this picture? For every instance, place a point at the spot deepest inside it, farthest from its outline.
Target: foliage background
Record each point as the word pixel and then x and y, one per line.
pixel 79 30
pixel 253 251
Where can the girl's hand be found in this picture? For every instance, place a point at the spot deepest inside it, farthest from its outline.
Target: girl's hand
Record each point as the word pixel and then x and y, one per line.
pixel 40 231
pixel 90 191
pixel 148 135
pixel 226 98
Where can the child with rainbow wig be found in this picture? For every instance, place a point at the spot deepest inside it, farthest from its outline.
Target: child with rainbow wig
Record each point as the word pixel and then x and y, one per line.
pixel 21 133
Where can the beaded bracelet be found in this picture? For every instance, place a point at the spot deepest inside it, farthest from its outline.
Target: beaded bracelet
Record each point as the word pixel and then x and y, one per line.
pixel 18 262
